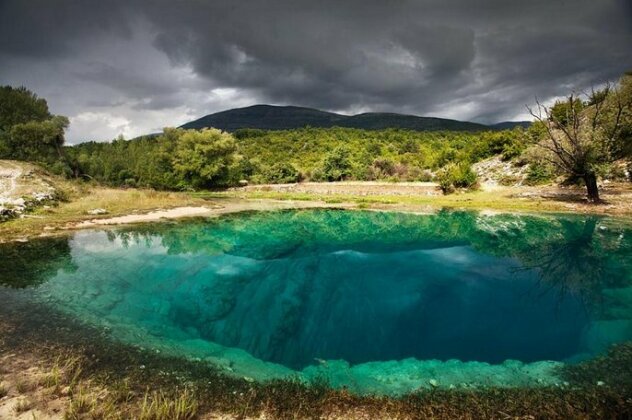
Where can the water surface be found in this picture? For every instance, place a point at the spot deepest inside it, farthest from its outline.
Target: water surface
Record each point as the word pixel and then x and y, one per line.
pixel 374 301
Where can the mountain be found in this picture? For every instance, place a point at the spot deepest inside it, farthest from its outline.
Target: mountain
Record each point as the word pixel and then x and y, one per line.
pixel 508 125
pixel 270 117
pixel 266 117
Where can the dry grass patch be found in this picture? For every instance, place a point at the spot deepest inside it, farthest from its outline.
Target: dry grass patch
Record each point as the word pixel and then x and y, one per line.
pixel 82 199
pixel 617 198
pixel 23 405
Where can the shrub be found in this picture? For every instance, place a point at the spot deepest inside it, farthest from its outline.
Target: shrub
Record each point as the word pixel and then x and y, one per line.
pixel 616 172
pixel 512 151
pixel 281 173
pixel 383 167
pixel 538 174
pixel 61 167
pixel 421 175
pixel 456 175
pixel 337 165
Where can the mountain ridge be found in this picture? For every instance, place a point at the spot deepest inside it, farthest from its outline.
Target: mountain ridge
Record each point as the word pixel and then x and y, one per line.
pixel 273 117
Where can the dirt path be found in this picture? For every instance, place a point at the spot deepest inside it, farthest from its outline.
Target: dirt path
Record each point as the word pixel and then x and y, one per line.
pixel 228 206
pixel 9 174
pixel 358 188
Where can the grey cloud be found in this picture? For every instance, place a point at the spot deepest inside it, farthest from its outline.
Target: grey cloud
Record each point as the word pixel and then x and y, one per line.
pixel 48 28
pixel 469 59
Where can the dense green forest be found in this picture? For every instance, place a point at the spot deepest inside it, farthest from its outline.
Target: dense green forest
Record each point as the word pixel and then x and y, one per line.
pixel 319 154
pixel 578 138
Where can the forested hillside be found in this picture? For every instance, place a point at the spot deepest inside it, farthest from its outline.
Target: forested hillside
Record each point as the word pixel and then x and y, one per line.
pixel 269 117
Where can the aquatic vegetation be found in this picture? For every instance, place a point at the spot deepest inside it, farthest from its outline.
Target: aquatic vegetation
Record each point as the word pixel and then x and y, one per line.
pixel 81 402
pixel 115 365
pixel 31 263
pixel 158 406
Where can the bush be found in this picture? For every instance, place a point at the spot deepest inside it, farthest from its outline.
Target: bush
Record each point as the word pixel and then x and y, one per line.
pixel 512 151
pixel 383 167
pixel 538 174
pixel 616 172
pixel 417 174
pixel 456 175
pixel 508 180
pixel 281 173
pixel 380 169
pixel 60 167
pixel 337 165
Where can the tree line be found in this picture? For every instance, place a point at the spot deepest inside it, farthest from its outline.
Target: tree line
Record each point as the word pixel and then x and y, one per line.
pixel 578 138
pixel 180 158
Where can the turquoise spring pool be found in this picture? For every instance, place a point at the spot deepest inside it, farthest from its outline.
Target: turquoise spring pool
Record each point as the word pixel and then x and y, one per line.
pixel 378 302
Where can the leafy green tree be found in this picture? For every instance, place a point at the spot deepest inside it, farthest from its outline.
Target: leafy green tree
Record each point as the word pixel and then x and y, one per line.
pixel 38 140
pixel 29 132
pixel 202 159
pixel 19 106
pixel 282 173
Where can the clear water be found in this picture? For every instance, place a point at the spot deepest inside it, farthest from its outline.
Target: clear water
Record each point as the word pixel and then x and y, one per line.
pixel 376 302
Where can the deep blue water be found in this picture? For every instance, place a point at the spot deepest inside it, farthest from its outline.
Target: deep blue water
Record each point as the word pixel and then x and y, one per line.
pixel 303 289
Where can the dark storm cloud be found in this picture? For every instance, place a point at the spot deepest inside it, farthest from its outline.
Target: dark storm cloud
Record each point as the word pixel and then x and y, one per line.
pixel 50 27
pixel 468 59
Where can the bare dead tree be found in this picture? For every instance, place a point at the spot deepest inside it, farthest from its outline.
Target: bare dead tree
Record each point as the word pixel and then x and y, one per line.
pixel 585 137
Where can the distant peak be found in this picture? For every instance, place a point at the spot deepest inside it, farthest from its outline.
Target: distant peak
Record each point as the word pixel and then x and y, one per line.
pixel 288 117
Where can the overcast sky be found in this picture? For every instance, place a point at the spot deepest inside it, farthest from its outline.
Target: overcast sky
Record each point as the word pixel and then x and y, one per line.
pixel 132 67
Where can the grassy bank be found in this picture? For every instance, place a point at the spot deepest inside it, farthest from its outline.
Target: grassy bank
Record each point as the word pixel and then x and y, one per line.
pixel 617 199
pixel 80 199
